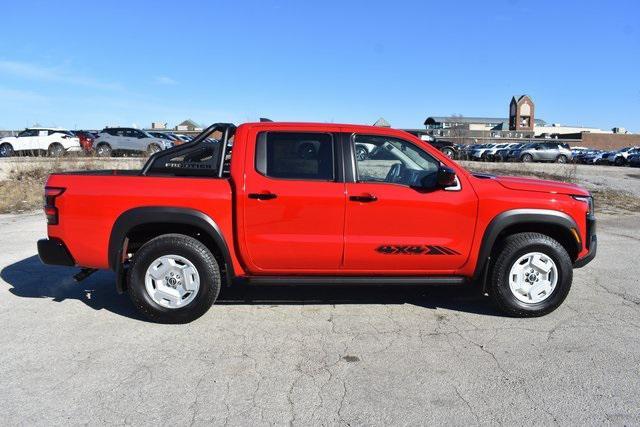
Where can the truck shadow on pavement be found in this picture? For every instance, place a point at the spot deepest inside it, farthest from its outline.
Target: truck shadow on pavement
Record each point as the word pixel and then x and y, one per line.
pixel 29 278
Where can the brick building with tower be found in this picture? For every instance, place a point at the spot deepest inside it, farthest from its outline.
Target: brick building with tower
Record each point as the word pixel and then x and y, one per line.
pixel 523 124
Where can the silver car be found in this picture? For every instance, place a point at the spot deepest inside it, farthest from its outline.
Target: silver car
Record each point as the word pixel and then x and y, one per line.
pixel 543 152
pixel 128 140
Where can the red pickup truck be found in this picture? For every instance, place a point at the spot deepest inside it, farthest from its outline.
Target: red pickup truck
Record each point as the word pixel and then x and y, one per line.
pixel 292 203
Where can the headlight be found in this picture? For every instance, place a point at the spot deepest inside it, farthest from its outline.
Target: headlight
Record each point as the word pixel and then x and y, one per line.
pixel 588 200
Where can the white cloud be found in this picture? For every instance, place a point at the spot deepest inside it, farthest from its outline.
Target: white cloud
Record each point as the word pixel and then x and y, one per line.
pixel 54 74
pixel 164 80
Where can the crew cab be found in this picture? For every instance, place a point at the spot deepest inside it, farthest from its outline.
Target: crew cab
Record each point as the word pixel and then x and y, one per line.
pixel 197 217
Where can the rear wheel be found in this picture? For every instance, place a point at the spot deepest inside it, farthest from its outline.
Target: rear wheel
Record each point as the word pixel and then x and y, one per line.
pixel 6 150
pixel 531 276
pixel 527 158
pixel 619 161
pixel 104 150
pixel 173 279
pixel 55 150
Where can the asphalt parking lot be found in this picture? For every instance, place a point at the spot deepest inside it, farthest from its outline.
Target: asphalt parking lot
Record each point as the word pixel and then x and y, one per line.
pixel 78 353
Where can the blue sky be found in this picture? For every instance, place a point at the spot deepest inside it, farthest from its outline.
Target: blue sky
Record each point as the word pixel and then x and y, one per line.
pixel 83 64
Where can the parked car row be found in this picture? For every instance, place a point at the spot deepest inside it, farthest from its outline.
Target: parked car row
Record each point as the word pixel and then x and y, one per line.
pixel 548 152
pixel 628 156
pixel 518 152
pixel 55 142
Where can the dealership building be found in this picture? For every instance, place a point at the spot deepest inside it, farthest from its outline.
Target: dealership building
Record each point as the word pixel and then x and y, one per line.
pixel 523 124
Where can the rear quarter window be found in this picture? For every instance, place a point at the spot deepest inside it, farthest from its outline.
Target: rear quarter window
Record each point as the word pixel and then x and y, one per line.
pixel 295 155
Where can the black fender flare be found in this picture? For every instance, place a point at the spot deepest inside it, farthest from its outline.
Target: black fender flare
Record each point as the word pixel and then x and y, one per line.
pixel 513 217
pixel 163 214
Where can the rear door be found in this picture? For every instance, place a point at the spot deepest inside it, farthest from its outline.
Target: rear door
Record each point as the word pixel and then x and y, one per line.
pixel 391 226
pixel 293 202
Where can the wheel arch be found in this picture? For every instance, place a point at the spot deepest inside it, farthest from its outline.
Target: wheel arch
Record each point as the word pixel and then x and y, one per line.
pixel 555 224
pixel 139 225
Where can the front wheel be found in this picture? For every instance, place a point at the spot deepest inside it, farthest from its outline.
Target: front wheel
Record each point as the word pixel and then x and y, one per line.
pixel 173 279
pixel 531 276
pixel 561 159
pixel 6 150
pixel 104 150
pixel 448 151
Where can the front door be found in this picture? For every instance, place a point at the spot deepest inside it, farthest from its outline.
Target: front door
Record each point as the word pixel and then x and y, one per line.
pixel 27 140
pixel 293 203
pixel 391 226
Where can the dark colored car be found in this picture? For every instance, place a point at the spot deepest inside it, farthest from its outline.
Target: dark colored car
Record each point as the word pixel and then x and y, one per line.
pixel 587 157
pixel 502 155
pixel 634 160
pixel 166 136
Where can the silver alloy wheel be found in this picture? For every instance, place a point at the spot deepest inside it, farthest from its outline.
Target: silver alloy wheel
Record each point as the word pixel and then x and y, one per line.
pixel 533 277
pixel 102 150
pixel 172 281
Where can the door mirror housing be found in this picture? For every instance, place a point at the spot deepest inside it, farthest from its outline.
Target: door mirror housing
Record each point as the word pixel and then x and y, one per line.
pixel 446 177
pixel 443 178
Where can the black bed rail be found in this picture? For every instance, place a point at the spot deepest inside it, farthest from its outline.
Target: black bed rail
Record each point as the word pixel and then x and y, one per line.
pixel 194 158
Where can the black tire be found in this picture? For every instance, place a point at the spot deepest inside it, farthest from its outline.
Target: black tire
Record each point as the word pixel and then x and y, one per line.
pixel 526 158
pixel 104 150
pixel 562 159
pixel 449 152
pixel 55 150
pixel 619 161
pixel 6 150
pixel 153 149
pixel 187 247
pixel 512 248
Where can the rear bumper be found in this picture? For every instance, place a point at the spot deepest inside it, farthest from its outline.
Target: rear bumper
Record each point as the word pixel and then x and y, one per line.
pixel 54 252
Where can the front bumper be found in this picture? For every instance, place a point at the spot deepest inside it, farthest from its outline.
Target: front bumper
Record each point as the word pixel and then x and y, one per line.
pixel 592 244
pixel 54 252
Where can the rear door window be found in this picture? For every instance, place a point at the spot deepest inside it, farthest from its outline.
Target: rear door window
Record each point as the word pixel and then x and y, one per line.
pixel 295 155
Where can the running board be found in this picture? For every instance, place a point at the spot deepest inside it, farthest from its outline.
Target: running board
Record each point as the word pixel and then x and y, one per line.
pixel 352 280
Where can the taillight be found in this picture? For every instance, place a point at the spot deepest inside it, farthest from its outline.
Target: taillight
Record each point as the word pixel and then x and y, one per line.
pixel 50 209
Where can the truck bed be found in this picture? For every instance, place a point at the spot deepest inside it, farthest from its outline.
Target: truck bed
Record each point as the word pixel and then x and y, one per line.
pixel 93 200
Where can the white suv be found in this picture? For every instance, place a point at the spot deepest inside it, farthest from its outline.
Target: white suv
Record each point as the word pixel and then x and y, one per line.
pixel 55 142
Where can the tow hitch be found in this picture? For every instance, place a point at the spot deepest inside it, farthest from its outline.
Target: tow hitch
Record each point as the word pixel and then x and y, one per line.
pixel 83 274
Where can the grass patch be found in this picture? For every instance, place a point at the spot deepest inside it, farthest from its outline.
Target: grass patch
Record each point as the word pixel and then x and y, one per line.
pixel 607 200
pixel 23 188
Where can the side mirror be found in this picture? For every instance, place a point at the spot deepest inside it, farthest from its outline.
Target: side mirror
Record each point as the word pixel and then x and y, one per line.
pixel 446 177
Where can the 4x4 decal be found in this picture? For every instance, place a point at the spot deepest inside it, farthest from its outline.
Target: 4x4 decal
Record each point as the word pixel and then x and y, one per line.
pixel 415 250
